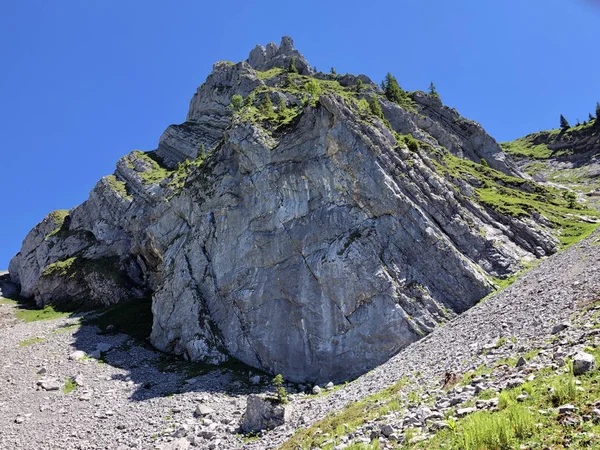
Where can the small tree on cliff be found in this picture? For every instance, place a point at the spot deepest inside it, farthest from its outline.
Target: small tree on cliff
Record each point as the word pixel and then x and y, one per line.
pixel 564 123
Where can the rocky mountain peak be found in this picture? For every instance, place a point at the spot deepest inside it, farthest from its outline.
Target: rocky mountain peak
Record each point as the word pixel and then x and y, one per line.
pixel 263 59
pixel 306 224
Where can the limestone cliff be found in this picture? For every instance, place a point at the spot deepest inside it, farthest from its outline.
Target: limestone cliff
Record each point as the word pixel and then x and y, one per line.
pixel 300 222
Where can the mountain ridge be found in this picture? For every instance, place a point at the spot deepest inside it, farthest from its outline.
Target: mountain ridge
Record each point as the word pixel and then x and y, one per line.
pixel 304 223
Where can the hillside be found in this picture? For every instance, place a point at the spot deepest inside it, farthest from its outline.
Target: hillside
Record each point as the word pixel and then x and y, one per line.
pixel 568 157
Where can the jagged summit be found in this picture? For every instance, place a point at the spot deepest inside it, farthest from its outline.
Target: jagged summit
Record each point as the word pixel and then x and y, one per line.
pixel 304 223
pixel 263 59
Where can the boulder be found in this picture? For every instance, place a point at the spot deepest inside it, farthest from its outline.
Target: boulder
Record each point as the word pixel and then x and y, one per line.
pixel 583 362
pixel 264 413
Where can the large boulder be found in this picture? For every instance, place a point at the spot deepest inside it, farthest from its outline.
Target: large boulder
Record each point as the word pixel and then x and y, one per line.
pixel 264 413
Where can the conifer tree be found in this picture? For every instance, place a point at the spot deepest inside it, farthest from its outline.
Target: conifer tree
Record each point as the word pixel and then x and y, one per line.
pixel 359 85
pixel 597 111
pixel 590 116
pixel 267 107
pixel 564 123
pixel 433 91
pixel 393 91
pixel 292 67
pixel 376 107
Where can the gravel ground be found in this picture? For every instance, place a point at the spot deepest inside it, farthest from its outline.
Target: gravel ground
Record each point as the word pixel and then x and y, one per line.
pixel 132 401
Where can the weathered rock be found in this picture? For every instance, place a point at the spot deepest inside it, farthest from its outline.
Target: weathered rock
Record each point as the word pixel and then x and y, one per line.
pixel 77 355
pixel 203 410
pixel 264 413
pixel 583 362
pixel 49 384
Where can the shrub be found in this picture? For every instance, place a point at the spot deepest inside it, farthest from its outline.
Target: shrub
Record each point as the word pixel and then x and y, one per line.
pixel 484 162
pixel 292 66
pixel 375 107
pixel 313 88
pixel 266 108
pixel 359 85
pixel 237 102
pixel 433 90
pixel 282 395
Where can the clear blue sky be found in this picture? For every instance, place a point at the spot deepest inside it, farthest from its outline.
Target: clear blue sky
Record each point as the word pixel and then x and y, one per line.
pixel 85 82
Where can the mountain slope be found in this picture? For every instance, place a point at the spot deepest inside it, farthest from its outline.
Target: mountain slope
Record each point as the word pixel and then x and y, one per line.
pixel 303 223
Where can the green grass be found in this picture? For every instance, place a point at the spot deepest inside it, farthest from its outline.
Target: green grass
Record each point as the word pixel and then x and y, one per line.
pixel 27 311
pixel 118 186
pixel 7 301
pixel 33 315
pixel 69 386
pixel 520 198
pixel 533 423
pixel 32 341
pixel 268 74
pixel 62 267
pixel 346 420
pixel 133 317
pixel 58 217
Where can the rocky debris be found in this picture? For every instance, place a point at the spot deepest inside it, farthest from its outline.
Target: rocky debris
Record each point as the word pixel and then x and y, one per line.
pixel 139 402
pixel 316 390
pixel 264 413
pixel 583 363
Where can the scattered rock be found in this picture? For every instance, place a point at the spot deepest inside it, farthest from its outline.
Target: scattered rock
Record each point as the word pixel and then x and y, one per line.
pixel 583 362
pixel 316 390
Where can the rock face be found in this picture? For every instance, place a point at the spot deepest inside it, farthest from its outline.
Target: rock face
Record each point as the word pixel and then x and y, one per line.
pixel 313 238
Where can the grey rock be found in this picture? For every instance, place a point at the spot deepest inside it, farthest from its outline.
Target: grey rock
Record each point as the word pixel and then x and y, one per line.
pixel 462 412
pixel 560 327
pixel 521 361
pixel 566 409
pixel 203 410
pixel 49 384
pixel 103 347
pixel 387 430
pixel 77 355
pixel 264 413
pixel 583 362
pixel 178 444
pixel 316 390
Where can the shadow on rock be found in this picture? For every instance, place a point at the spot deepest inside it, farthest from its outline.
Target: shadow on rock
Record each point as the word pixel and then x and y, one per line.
pixel 118 336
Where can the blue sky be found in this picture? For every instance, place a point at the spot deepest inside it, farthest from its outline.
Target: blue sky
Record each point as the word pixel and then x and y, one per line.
pixel 84 82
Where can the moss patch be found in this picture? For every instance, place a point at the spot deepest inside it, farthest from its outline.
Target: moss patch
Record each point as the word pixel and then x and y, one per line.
pixel 32 341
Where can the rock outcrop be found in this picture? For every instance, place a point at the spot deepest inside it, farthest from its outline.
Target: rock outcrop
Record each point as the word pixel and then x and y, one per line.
pixel 299 230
